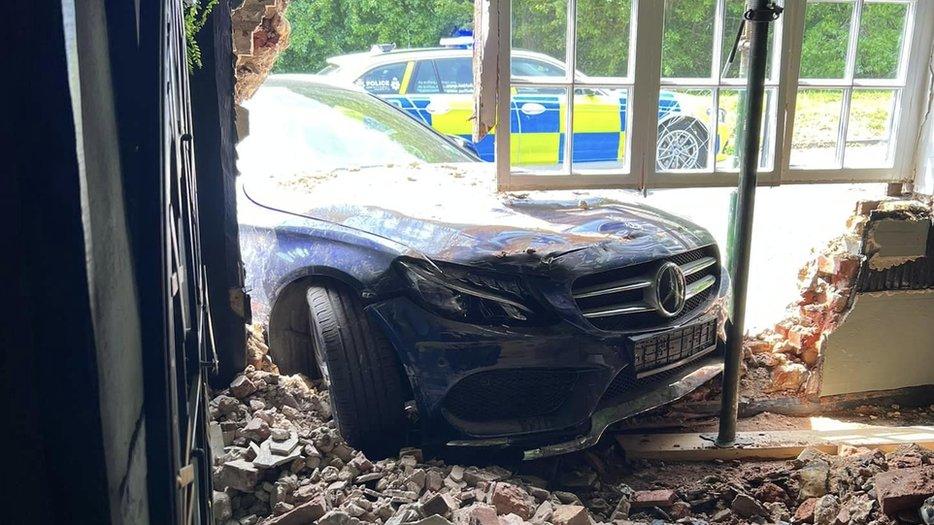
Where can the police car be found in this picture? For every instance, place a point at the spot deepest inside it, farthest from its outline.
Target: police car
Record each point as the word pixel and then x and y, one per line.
pixel 436 86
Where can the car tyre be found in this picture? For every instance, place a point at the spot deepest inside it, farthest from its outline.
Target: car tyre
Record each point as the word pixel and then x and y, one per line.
pixel 682 144
pixel 361 370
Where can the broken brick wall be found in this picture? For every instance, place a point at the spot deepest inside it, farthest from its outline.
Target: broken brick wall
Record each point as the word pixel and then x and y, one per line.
pixel 260 35
pixel 888 246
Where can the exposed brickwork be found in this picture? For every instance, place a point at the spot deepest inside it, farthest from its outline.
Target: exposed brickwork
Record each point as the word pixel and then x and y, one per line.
pixel 260 34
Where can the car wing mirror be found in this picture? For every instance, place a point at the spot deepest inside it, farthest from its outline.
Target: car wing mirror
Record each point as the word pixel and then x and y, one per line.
pixel 463 143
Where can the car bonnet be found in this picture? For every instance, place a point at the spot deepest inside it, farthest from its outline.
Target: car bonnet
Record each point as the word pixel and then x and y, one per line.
pixel 451 212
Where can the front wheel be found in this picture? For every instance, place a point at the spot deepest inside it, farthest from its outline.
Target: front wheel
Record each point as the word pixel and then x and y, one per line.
pixel 682 145
pixel 361 370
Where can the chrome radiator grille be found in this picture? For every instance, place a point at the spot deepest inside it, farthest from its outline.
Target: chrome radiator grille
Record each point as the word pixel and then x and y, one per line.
pixel 627 298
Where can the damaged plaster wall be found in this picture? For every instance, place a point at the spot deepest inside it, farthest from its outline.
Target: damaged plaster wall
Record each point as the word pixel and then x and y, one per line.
pixel 880 346
pixel 883 344
pixel 924 175
pixel 864 301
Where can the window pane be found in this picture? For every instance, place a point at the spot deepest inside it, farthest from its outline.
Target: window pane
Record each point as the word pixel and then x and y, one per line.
pixel 687 41
pixel 817 124
pixel 540 26
pixel 729 129
pixel 869 130
pixel 523 66
pixel 684 129
pixel 383 80
pixel 537 131
pixel 881 33
pixel 826 35
pixel 536 68
pixel 424 81
pixel 603 32
pixel 600 125
pixel 456 75
pixel 732 18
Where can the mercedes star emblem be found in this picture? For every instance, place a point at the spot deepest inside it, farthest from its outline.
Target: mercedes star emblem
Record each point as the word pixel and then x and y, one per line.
pixel 669 289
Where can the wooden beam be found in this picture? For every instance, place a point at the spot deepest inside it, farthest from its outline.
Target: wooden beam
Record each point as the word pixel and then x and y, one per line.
pixel 825 434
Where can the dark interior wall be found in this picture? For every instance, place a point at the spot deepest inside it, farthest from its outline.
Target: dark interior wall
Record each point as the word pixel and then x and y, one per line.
pixel 84 328
pixel 86 387
pixel 212 94
pixel 50 386
pixel 111 279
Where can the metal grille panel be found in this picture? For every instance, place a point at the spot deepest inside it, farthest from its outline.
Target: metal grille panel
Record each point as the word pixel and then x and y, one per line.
pixel 510 393
pixel 631 294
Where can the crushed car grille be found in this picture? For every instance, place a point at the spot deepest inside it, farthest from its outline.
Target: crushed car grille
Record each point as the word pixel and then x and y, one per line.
pixel 654 354
pixel 510 393
pixel 615 300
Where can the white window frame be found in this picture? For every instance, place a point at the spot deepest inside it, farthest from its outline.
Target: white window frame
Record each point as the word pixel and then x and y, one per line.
pixel 907 114
pixel 645 84
pixel 568 177
pixel 715 83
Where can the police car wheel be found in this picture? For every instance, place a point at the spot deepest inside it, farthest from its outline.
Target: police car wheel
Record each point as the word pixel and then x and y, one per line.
pixel 682 145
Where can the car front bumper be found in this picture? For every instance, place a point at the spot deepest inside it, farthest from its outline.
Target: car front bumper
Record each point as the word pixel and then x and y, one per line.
pixel 548 390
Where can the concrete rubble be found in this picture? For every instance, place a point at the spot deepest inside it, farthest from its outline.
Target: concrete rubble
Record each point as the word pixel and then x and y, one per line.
pixel 283 462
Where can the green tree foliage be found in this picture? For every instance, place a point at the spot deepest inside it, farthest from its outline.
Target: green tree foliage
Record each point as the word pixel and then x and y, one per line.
pixel 880 39
pixel 687 40
pixel 324 28
pixel 540 25
pixel 196 16
pixel 826 33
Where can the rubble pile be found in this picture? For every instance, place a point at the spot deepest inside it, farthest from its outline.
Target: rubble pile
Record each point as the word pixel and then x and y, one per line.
pixel 278 459
pixel 789 354
pixel 257 351
pixel 283 463
pixel 858 486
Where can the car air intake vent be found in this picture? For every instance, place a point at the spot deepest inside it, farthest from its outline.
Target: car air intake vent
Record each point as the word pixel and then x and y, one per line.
pixel 649 295
pixel 510 393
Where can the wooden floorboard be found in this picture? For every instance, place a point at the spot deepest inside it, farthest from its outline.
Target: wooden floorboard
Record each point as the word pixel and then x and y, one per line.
pixel 825 434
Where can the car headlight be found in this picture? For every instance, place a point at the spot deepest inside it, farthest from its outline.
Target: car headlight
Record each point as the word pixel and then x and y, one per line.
pixel 475 297
pixel 721 115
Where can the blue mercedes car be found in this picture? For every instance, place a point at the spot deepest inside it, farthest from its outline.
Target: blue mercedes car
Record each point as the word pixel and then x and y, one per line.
pixel 382 259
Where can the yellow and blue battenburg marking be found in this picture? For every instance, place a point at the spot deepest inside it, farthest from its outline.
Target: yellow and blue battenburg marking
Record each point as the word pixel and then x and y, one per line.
pixel 538 122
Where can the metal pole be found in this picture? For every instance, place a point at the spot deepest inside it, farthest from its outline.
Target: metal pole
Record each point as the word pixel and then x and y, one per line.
pixel 760 14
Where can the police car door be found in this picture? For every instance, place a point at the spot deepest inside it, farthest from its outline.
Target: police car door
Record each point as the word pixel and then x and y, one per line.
pixel 447 87
pixel 387 82
pixel 538 137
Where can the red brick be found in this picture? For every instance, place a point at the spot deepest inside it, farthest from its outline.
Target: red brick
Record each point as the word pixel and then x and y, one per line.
pixel 810 356
pixel 846 270
pixel 511 499
pixel 904 488
pixel 757 346
pixel 304 513
pixel 771 493
pixel 483 515
pixel 805 512
pixel 570 515
pixel 803 337
pixel 654 498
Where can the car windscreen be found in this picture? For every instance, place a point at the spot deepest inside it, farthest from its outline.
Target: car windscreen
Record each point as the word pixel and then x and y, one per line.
pixel 302 127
